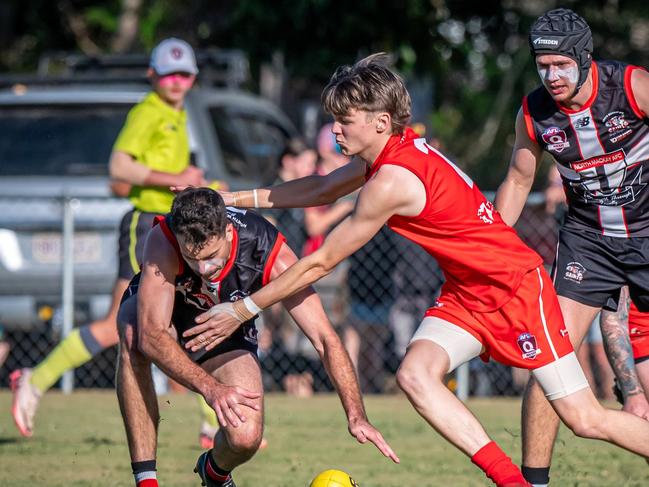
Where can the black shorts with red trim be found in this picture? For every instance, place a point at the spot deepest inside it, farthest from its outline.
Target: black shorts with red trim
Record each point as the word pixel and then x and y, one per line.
pixel 591 268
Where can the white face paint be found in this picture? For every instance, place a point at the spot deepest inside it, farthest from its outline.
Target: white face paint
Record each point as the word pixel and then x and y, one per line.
pixel 553 73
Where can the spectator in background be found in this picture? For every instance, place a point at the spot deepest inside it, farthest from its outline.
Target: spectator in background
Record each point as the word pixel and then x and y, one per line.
pixel 150 154
pixel 320 219
pixel 417 279
pixel 286 355
pixel 371 295
pixel 5 348
pixel 297 161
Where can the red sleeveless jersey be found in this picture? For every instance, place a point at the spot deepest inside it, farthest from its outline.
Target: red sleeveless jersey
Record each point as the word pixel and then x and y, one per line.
pixel 482 258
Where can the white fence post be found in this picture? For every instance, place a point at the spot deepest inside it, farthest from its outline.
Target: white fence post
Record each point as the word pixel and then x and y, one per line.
pixel 462 378
pixel 67 273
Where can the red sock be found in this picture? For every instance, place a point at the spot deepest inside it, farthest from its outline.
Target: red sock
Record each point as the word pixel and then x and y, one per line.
pixel 498 466
pixel 148 483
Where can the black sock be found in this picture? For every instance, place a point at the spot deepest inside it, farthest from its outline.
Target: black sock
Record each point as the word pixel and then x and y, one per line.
pixel 536 475
pixel 145 466
pixel 215 472
pixel 142 471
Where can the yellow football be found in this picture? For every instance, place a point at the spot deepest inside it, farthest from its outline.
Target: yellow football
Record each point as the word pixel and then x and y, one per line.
pixel 333 478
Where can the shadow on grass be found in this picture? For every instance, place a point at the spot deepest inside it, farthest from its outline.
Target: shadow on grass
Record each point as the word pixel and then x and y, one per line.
pixel 100 441
pixel 8 440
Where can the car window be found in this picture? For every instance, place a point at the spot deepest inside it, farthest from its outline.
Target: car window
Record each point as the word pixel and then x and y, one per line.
pixel 61 140
pixel 251 145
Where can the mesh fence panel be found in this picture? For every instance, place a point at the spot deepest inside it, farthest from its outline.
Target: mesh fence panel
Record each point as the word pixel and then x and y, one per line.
pixel 375 300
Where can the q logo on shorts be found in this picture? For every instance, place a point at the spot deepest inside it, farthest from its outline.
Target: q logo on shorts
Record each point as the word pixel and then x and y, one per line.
pixel 527 344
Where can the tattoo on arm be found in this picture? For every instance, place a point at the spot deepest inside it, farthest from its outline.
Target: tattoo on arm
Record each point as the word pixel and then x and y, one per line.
pixel 617 343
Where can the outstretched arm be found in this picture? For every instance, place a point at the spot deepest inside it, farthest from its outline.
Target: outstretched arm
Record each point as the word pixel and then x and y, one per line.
pixel 513 192
pixel 125 168
pixel 307 311
pixel 155 308
pixel 393 190
pixel 303 192
pixel 615 331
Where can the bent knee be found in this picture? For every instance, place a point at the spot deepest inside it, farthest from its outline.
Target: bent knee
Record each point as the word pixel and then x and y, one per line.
pixel 245 441
pixel 587 424
pixel 413 379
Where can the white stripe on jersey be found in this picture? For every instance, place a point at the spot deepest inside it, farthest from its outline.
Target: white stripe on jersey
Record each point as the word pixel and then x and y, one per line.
pixel 548 337
pixel 639 152
pixel 587 138
pixel 611 218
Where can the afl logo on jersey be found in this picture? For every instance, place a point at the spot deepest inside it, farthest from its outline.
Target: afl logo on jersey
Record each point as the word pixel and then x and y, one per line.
pixel 555 139
pixel 527 344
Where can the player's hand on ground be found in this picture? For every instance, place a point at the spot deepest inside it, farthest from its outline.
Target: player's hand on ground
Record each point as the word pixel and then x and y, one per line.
pixel 230 403
pixel 363 431
pixel 213 326
pixel 637 405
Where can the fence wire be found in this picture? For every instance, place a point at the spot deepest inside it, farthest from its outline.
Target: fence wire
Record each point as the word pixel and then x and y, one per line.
pixel 375 300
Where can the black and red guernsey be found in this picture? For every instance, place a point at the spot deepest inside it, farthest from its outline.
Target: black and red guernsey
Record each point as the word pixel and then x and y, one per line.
pixel 601 150
pixel 255 246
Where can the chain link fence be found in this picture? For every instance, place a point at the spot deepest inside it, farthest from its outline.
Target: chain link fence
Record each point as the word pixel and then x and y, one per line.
pixel 375 299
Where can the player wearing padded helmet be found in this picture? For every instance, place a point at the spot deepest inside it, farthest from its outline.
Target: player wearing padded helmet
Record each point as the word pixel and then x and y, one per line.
pixel 591 117
pixel 563 32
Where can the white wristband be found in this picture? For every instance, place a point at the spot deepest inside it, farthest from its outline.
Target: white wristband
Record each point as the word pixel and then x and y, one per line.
pixel 251 306
pixel 255 199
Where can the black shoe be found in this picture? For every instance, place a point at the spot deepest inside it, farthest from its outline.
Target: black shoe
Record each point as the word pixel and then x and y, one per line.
pixel 206 481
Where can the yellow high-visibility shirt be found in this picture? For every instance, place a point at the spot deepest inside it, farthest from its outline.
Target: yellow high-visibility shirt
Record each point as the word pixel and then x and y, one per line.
pixel 156 135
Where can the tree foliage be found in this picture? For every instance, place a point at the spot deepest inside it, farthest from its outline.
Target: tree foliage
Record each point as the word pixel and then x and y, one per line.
pixel 475 53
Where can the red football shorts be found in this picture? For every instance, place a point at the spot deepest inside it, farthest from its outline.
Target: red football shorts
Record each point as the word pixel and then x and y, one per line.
pixel 527 332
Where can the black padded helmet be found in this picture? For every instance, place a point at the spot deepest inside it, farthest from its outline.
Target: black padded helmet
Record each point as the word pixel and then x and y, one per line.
pixel 562 31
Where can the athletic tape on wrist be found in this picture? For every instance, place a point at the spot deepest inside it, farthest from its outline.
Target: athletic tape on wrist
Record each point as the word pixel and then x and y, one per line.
pixel 256 202
pixel 251 306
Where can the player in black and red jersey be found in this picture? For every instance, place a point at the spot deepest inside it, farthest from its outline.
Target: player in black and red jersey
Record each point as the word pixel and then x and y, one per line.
pixel 199 255
pixel 592 118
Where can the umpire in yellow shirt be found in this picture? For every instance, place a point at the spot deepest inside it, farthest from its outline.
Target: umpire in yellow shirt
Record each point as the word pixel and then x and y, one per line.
pixel 151 153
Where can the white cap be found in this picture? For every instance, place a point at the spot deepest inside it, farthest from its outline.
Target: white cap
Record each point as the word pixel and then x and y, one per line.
pixel 173 56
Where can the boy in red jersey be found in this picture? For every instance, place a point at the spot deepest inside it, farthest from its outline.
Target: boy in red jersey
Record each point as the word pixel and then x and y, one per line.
pixel 497 301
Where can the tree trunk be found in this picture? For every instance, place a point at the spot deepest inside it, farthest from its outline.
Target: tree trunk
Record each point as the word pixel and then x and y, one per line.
pixel 128 25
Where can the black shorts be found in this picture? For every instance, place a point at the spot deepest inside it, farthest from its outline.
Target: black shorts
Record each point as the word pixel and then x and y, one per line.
pixel 244 338
pixel 591 268
pixel 133 230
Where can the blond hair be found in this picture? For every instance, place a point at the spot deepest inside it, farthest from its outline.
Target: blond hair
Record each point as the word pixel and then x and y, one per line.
pixel 368 85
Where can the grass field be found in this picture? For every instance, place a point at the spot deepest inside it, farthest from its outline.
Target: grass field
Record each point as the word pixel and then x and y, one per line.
pixel 80 442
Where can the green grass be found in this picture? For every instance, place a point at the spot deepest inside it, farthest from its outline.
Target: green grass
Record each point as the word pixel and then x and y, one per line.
pixel 80 441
